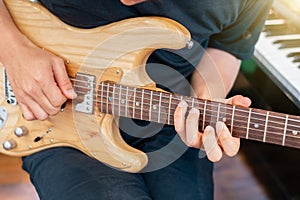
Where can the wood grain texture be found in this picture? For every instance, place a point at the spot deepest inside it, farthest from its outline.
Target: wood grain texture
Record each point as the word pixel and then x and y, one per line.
pixel 124 45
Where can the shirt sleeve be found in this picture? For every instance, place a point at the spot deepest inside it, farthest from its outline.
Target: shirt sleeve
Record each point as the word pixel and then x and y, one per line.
pixel 239 37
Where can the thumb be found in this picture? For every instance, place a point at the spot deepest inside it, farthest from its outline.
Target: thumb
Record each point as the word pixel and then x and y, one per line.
pixel 62 79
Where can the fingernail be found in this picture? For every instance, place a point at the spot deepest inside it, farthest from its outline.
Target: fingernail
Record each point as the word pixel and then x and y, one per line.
pixel 209 129
pixel 219 126
pixel 194 110
pixel 182 104
pixel 246 101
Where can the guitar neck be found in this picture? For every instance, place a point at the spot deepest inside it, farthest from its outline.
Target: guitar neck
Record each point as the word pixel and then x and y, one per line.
pixel 154 106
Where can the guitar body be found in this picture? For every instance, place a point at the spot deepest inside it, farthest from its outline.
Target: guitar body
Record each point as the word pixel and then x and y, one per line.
pixel 116 52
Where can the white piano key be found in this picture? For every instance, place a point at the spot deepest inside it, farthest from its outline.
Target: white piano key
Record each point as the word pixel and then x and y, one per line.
pixel 276 62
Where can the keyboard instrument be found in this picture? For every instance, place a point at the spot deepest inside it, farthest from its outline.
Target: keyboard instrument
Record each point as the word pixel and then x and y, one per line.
pixel 278 49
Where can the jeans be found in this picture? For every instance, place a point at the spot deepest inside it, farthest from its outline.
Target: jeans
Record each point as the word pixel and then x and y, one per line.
pixel 67 174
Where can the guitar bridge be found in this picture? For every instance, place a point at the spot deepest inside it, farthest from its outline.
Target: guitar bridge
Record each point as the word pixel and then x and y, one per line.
pixel 8 92
pixel 84 87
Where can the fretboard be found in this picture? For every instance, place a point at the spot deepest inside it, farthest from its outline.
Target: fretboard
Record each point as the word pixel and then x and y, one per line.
pixel 154 106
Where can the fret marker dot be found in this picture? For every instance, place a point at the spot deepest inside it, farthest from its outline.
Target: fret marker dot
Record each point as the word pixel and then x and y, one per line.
pixel 123 101
pixel 256 125
pixel 295 132
pixel 154 107
pixel 137 103
pixel 110 99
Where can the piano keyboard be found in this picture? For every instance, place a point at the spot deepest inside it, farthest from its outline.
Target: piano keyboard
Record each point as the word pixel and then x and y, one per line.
pixel 278 53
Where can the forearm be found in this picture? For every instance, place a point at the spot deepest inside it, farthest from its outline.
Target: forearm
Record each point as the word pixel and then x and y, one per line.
pixel 11 37
pixel 215 74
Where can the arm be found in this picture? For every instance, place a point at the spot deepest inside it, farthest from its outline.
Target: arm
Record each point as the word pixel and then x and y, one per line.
pixel 38 78
pixel 213 78
pixel 215 74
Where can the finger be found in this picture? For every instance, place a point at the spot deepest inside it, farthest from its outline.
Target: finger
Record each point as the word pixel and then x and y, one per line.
pixel 52 99
pixel 213 150
pixel 62 79
pixel 179 119
pixel 31 107
pixel 35 94
pixel 27 114
pixel 193 137
pixel 239 100
pixel 229 144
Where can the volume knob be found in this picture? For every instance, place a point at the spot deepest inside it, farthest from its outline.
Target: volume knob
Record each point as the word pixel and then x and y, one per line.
pixel 9 144
pixel 21 131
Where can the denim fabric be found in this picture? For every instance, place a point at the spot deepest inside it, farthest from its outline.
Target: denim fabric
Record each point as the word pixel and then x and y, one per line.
pixel 65 173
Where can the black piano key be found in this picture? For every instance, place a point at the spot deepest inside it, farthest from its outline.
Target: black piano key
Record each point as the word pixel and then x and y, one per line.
pixel 288 43
pixel 272 16
pixel 296 56
pixel 293 54
pixel 277 29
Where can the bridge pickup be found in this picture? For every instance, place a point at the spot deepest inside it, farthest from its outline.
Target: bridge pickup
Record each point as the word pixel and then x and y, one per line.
pixel 8 92
pixel 85 89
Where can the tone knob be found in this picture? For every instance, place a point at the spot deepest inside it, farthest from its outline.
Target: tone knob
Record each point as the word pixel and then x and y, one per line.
pixel 21 131
pixel 9 144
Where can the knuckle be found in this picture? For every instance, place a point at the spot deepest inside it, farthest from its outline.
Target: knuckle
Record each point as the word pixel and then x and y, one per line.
pixel 57 60
pixel 53 111
pixel 58 101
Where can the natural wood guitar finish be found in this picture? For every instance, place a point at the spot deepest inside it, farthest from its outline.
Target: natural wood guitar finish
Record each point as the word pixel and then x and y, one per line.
pixel 116 52
pixel 107 66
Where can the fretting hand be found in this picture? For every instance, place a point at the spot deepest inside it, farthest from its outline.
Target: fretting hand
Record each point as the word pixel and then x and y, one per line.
pixel 214 140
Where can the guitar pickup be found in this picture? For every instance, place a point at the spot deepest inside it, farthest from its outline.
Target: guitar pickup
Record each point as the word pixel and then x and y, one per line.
pixel 85 89
pixel 8 92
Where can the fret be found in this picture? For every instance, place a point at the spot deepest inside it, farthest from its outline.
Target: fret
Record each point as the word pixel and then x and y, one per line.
pixel 169 108
pixel 142 104
pixel 204 113
pixel 159 107
pixel 285 128
pixel 266 126
pixel 218 113
pixel 150 106
pixel 232 118
pixel 126 102
pixel 120 97
pixel 248 123
pixel 107 99
pixel 101 103
pixel 193 102
pixel 113 100
pixel 133 103
pixel 293 132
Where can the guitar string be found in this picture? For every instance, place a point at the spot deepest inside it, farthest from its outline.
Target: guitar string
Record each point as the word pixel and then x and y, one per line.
pixel 218 104
pixel 214 104
pixel 207 115
pixel 236 115
pixel 258 119
pixel 174 98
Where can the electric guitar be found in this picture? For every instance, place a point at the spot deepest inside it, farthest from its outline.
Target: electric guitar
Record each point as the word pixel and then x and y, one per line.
pixel 107 67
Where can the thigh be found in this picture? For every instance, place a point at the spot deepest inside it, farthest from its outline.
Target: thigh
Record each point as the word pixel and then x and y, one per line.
pixel 65 173
pixel 189 177
pixel 185 175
